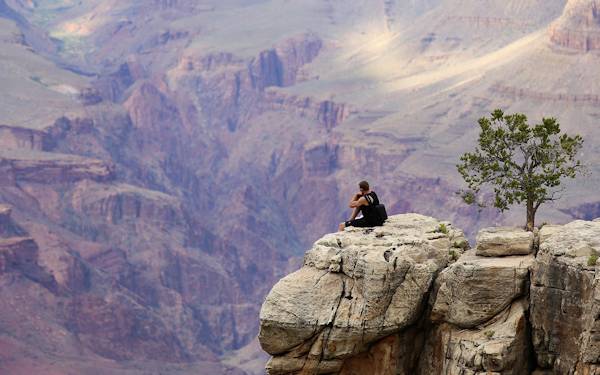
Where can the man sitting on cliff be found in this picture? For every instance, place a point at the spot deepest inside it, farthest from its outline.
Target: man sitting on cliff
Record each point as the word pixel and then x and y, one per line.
pixel 365 202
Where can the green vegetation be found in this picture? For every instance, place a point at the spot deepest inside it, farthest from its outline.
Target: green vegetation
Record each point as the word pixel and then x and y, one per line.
pixel 442 229
pixel 464 245
pixel 593 258
pixel 489 334
pixel 519 163
pixel 453 255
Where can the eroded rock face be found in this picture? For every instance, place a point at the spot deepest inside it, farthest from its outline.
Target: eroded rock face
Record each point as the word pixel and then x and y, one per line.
pixel 13 137
pixel 355 288
pixel 8 228
pixel 19 259
pixel 565 299
pixel 499 346
pixel 42 167
pixel 117 203
pixel 475 289
pixel 280 66
pixel 579 26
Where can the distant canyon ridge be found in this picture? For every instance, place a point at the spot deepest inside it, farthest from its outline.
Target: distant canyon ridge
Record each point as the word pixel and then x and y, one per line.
pixel 163 163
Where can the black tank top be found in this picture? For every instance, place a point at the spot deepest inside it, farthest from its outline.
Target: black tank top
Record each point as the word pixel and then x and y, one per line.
pixel 370 212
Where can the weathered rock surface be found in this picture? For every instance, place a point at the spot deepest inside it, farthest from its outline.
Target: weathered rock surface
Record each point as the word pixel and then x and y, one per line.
pixel 499 346
pixel 46 167
pixel 475 289
pixel 355 288
pixel 565 299
pixel 280 66
pixel 14 137
pixel 579 26
pixel 16 252
pixel 117 203
pixel 19 258
pixel 8 227
pixel 357 304
pixel 501 241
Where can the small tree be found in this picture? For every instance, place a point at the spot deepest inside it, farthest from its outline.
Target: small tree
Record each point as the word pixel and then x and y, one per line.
pixel 521 163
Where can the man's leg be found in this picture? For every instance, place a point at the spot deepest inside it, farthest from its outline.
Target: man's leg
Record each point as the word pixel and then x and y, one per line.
pixel 355 213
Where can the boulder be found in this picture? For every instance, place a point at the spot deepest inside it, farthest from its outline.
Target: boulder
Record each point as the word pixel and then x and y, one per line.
pixel 503 241
pixel 475 289
pixel 355 288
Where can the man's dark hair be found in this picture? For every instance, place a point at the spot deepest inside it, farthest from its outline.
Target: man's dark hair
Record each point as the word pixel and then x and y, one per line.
pixel 363 185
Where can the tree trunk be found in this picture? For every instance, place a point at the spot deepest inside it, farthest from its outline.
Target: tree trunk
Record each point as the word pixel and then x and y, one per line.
pixel 530 215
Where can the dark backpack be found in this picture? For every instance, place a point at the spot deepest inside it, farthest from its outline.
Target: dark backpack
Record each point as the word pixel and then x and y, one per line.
pixel 378 208
pixel 381 211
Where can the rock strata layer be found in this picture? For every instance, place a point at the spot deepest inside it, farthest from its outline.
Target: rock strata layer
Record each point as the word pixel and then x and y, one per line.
pixel 393 300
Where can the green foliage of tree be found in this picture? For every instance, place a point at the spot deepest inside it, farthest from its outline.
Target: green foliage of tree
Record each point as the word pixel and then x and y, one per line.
pixel 519 163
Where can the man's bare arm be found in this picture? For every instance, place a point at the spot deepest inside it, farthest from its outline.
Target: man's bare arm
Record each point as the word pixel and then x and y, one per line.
pixel 354 198
pixel 362 201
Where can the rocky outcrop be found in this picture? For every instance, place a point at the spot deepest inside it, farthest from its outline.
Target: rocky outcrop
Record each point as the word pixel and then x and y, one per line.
pixel 19 256
pixel 19 252
pixel 14 137
pixel 45 167
pixel 234 89
pixel 8 228
pixel 357 304
pixel 112 86
pixel 118 203
pixel 354 289
pixel 280 66
pixel 565 299
pixel 326 112
pixel 16 252
pixel 579 26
